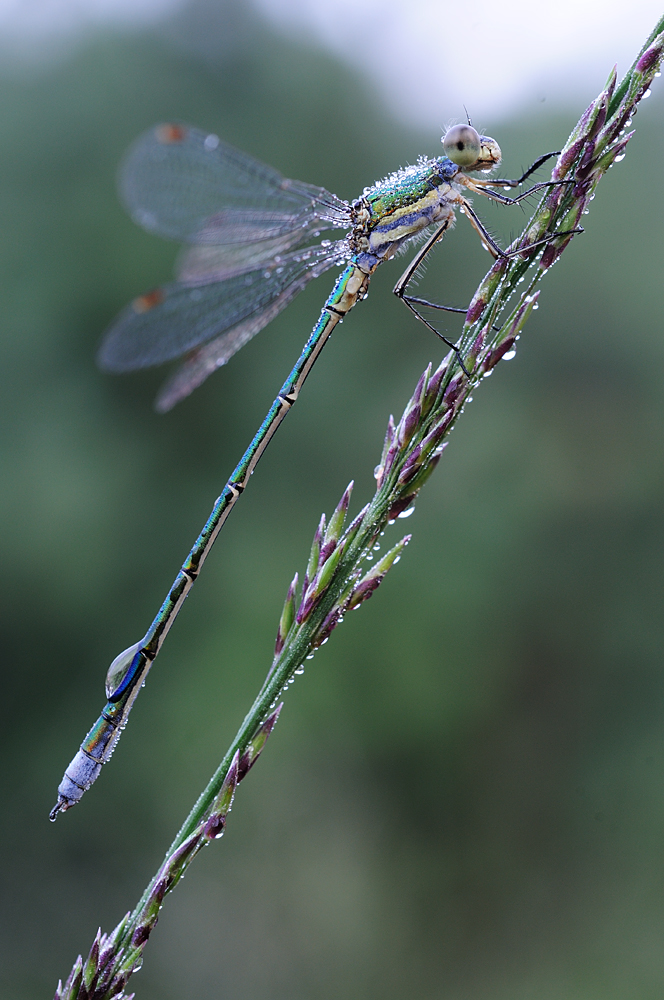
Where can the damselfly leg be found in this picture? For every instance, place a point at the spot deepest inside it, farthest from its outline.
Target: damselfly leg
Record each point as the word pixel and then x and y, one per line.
pixel 479 187
pixel 539 162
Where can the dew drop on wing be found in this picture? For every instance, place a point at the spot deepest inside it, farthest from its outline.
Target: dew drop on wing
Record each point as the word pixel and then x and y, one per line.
pixel 404 513
pixel 509 355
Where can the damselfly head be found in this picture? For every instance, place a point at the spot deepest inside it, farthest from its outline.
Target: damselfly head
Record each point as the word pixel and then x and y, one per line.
pixel 464 146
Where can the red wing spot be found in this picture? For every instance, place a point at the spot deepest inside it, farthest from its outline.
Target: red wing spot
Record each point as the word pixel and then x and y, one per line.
pixel 148 301
pixel 170 133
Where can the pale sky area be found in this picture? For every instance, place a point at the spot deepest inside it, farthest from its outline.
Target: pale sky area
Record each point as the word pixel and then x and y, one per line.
pixel 494 56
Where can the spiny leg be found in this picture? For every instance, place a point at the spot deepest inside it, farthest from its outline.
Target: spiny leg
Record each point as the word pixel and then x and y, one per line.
pixel 408 300
pixel 496 251
pixel 479 184
pixel 492 246
pixel 483 187
pixel 526 174
pixel 437 305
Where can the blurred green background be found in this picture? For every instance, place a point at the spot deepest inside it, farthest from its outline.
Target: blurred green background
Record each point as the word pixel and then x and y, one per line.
pixel 464 797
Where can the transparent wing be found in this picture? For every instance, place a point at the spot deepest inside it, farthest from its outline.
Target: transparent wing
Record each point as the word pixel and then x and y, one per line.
pixel 189 185
pixel 177 318
pixel 203 264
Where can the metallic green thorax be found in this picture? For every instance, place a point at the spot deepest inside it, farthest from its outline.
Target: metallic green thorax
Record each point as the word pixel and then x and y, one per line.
pixel 407 187
pixel 404 204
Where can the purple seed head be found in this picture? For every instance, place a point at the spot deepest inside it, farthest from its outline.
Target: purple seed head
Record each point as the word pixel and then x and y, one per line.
pixel 585 166
pixel 306 607
pixel 255 748
pixel 453 390
pixel 76 973
pixel 287 617
pixel 389 435
pixel 410 466
pixel 388 462
pixel 337 519
pixel 403 503
pixel 354 525
pixel 160 889
pixel 231 779
pixel 548 258
pixel 140 935
pixel 650 57
pixel 267 727
pixel 328 626
pixel 420 388
pixel 244 764
pixel 176 862
pixel 475 310
pixel 425 470
pixel 437 432
pixel 494 357
pixel 363 592
pixel 601 105
pixel 327 550
pixel 433 387
pixel 314 558
pixel 408 423
pixel 214 827
pixel 92 960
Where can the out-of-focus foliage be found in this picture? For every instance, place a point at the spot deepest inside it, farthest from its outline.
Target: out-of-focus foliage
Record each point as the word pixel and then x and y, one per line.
pixel 463 798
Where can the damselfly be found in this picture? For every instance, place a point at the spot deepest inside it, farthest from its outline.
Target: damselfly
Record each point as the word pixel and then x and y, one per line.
pixel 253 245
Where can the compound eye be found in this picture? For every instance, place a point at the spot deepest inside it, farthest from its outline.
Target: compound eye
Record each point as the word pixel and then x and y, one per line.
pixel 462 145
